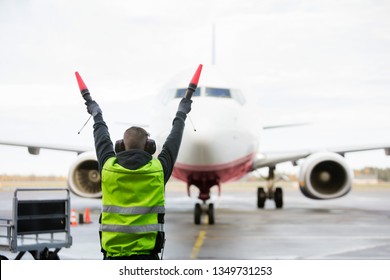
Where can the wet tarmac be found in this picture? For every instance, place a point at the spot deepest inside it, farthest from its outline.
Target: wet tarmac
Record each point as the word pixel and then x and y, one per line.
pixel 356 226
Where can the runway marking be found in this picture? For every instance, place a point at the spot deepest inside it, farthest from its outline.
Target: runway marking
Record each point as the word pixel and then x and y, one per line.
pixel 198 244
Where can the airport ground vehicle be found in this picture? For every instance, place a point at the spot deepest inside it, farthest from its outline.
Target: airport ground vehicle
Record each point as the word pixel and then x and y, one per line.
pixel 40 221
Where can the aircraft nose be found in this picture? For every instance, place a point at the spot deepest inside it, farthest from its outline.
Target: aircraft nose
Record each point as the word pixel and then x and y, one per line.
pixel 197 147
pixel 214 137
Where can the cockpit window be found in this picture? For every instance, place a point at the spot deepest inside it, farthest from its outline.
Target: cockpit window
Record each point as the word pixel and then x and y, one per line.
pixel 218 92
pixel 182 91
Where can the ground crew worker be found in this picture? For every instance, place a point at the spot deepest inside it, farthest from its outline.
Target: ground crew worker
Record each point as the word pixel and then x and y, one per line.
pixel 133 186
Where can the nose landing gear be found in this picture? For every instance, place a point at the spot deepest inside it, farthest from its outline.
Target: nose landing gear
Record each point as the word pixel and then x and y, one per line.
pixel 204 210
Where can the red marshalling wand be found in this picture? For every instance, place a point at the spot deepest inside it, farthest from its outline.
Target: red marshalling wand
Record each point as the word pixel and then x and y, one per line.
pixel 194 82
pixel 85 93
pixel 83 88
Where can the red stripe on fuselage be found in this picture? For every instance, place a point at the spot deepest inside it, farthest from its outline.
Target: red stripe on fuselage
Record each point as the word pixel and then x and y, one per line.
pixel 223 172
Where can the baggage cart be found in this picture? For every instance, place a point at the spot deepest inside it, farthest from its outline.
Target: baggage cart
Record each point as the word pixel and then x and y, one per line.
pixel 40 223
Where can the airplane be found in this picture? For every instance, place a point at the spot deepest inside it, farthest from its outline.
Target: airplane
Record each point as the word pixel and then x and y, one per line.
pixel 221 143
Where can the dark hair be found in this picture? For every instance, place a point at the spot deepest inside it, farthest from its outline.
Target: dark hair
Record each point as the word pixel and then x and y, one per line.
pixel 135 138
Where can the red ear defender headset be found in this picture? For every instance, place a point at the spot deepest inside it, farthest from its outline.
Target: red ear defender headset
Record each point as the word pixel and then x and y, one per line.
pixel 150 146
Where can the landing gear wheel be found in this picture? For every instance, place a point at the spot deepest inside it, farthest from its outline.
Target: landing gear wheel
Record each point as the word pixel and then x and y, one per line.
pixel 197 214
pixel 261 198
pixel 278 197
pixel 211 214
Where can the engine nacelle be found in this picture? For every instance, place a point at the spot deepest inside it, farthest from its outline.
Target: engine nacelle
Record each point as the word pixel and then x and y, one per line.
pixel 84 176
pixel 325 175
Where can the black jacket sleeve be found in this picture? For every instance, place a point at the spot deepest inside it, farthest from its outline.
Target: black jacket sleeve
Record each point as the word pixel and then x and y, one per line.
pixel 103 144
pixel 172 144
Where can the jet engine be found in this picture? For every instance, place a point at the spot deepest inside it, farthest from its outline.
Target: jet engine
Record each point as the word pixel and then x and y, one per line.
pixel 84 176
pixel 325 175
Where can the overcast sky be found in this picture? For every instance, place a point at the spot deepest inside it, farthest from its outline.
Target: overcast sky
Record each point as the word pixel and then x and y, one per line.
pixel 326 62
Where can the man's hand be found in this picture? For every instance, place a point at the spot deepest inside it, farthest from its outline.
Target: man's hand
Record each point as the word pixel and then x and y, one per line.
pixel 185 105
pixel 93 108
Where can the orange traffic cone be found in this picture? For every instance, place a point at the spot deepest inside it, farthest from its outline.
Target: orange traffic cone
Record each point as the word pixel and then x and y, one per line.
pixel 87 216
pixel 73 218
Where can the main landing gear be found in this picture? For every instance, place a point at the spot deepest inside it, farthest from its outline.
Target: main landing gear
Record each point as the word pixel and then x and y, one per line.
pixel 275 194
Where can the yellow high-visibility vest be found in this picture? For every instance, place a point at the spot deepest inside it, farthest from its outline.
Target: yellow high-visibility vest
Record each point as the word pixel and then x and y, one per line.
pixel 132 202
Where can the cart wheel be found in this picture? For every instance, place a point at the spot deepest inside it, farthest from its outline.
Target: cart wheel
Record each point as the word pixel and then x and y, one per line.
pixel 49 255
pixel 3 258
pixel 52 256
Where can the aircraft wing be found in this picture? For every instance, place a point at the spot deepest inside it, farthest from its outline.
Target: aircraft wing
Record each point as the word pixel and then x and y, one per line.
pixel 272 159
pixel 284 125
pixel 34 147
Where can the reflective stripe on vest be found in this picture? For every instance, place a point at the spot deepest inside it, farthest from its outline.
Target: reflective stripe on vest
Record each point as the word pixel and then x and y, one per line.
pixel 132 229
pixel 134 210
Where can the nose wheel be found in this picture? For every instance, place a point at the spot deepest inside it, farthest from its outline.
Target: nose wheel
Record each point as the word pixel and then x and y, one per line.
pixel 206 210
